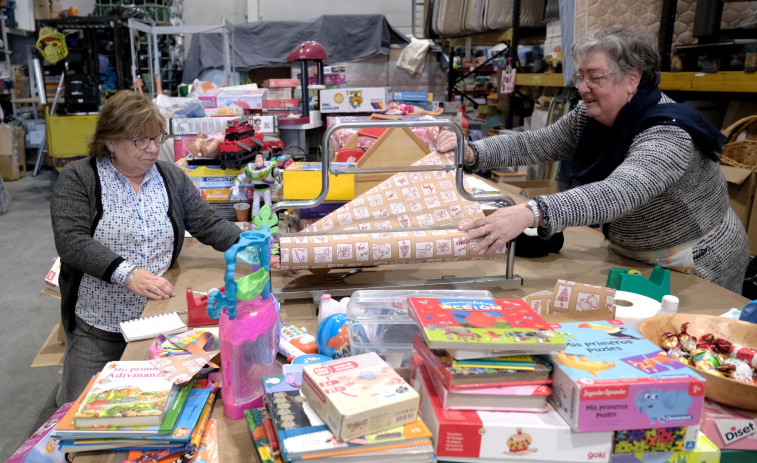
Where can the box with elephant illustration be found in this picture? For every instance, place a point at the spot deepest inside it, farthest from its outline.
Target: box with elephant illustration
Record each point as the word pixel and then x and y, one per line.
pixel 610 377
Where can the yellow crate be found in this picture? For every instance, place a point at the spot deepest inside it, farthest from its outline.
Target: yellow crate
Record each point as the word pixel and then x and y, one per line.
pixel 306 184
pixel 67 136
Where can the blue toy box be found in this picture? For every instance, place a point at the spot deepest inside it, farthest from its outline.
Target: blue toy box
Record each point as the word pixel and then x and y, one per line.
pixel 611 377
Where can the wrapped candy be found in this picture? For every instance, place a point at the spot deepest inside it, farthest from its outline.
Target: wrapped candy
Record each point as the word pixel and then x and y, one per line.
pixel 746 354
pixel 678 354
pixel 669 341
pixel 705 360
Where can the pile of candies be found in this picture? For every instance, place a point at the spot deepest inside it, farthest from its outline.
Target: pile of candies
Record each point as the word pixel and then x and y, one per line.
pixel 714 355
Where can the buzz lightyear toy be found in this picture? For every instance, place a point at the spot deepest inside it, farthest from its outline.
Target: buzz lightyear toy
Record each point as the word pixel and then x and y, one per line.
pixel 261 175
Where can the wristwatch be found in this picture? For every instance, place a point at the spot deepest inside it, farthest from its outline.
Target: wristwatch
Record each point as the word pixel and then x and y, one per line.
pixel 535 209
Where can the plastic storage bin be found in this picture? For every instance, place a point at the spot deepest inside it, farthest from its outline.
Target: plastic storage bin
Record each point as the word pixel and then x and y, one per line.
pixel 378 321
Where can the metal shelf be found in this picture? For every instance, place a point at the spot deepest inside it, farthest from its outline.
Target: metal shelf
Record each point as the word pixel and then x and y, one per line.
pixel 723 81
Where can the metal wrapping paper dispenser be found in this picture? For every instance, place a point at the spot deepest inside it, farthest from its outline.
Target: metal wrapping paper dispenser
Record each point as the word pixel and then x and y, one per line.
pixel 341 288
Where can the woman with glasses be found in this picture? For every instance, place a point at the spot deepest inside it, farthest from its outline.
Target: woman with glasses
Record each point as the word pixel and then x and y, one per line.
pixel 118 219
pixel 633 160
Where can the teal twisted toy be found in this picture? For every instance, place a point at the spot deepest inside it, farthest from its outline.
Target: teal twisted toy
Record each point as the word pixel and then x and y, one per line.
pixel 255 284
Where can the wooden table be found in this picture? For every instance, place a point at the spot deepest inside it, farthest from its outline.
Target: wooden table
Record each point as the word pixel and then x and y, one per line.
pixel 584 258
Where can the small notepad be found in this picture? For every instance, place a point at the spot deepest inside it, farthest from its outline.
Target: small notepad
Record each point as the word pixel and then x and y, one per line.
pixel 150 327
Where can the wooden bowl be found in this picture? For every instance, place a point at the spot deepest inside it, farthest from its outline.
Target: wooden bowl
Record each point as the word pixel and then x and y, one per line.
pixel 724 390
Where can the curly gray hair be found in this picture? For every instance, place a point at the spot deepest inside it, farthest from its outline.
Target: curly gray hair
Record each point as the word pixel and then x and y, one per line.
pixel 627 49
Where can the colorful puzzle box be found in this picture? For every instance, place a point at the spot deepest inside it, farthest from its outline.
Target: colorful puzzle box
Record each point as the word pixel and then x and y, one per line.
pixel 611 378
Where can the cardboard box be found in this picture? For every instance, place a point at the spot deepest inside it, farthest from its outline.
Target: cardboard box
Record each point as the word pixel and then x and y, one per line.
pixel 359 395
pixel 704 452
pixel 611 377
pixel 728 428
pixel 284 103
pixel 466 435
pixel 532 188
pixel 280 83
pixel 302 180
pixel 353 100
pixel 12 152
pixel 224 98
pixel 655 439
pixel 741 190
pixel 51 279
pixel 412 96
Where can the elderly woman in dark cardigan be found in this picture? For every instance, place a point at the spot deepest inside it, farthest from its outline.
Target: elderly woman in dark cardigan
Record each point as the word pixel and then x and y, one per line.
pixel 119 218
pixel 632 160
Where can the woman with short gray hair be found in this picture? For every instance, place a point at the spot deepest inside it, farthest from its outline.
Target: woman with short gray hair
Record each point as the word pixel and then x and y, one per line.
pixel 631 159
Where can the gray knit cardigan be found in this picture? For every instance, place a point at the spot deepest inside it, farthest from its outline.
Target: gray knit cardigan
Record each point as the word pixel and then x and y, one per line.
pixel 76 209
pixel 665 193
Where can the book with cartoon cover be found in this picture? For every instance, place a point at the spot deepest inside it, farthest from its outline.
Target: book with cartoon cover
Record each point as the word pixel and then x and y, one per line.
pixel 499 325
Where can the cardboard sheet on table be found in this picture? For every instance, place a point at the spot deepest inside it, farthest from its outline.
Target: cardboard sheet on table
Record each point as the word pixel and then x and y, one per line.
pixel 187 353
pixel 422 200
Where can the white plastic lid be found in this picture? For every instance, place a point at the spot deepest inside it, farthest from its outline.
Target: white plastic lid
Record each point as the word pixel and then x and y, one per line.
pixel 669 304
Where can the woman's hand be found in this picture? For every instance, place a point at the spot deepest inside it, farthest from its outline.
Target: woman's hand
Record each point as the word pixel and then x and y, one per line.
pixel 446 141
pixel 150 286
pixel 493 232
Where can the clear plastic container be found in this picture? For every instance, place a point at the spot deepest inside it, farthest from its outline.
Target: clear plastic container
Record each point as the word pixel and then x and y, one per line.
pixel 378 321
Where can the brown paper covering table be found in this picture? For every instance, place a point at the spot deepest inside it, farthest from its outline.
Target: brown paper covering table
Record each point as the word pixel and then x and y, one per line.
pixel 584 258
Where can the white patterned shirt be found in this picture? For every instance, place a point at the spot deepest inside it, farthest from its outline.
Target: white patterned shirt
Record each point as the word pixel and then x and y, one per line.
pixel 137 227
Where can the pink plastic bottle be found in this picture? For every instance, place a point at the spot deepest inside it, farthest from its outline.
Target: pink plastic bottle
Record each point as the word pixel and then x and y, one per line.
pixel 248 352
pixel 248 327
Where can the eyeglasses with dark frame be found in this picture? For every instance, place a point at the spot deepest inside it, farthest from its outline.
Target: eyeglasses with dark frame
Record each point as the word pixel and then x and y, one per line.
pixel 592 81
pixel 144 142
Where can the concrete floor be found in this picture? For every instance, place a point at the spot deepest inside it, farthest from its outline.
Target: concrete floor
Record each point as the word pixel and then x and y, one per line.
pixel 28 316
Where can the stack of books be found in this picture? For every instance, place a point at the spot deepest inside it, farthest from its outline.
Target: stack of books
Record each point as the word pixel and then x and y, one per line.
pixel 482 352
pixel 290 429
pixel 484 386
pixel 130 405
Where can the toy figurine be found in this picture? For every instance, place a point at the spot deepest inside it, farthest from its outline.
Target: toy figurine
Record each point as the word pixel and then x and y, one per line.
pixel 202 147
pixel 261 175
pixel 395 108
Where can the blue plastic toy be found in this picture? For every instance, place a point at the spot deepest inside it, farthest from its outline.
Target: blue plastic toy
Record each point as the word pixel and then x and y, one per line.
pixel 332 338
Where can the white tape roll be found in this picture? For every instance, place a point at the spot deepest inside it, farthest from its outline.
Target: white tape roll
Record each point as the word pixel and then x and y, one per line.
pixel 632 308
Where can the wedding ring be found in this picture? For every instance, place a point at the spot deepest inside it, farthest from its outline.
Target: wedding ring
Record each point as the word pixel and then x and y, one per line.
pixel 149 289
pixel 491 237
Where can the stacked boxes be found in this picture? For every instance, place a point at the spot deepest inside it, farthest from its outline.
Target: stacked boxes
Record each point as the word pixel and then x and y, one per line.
pixel 359 395
pixel 612 378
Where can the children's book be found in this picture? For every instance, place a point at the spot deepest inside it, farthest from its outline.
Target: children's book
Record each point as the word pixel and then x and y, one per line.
pixel 66 429
pixel 301 433
pixel 130 393
pixel 256 423
pixel 185 424
pixel 529 398
pixel 611 377
pixel 510 362
pixel 440 364
pixel 501 325
pixel 206 452
pixel 468 435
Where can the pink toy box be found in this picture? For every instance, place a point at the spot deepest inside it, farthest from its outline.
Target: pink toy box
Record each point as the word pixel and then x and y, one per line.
pixel 611 378
pixel 468 435
pixel 41 447
pixel 727 428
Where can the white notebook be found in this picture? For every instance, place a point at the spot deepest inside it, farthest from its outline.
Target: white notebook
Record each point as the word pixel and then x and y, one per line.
pixel 150 327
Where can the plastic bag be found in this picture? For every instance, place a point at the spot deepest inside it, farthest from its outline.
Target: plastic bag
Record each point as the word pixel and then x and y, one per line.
pixel 413 56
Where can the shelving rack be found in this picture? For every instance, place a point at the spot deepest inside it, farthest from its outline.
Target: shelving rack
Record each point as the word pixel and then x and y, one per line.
pixel 152 32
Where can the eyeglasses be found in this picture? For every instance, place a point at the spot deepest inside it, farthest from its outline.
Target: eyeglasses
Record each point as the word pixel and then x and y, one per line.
pixel 592 81
pixel 144 142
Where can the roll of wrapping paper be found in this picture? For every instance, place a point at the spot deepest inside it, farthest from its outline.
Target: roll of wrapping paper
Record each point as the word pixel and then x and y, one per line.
pixel 408 218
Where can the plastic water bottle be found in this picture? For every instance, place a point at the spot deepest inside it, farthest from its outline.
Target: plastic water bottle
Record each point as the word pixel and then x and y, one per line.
pixel 329 307
pixel 669 304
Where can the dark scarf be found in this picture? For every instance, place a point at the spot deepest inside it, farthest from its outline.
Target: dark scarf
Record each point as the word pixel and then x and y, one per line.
pixel 601 149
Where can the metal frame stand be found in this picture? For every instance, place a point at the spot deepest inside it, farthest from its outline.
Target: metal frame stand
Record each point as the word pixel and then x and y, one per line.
pixel 509 280
pixel 226 29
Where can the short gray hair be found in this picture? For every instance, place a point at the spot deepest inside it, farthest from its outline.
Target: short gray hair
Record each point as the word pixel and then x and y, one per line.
pixel 627 49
